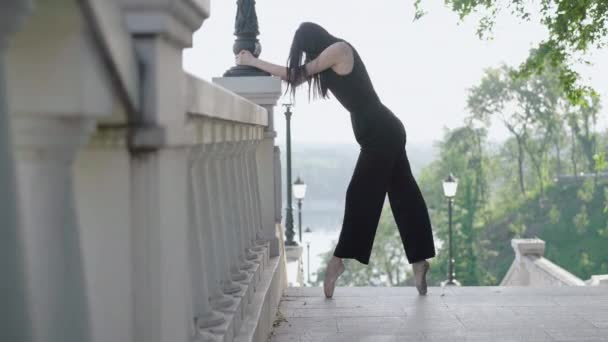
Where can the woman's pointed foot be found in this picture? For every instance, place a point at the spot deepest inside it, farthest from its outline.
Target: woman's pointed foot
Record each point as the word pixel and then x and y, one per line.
pixel 334 269
pixel 420 270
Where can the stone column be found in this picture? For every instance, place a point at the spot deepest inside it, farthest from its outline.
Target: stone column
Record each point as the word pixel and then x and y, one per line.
pixel 13 312
pixel 264 91
pixel 46 148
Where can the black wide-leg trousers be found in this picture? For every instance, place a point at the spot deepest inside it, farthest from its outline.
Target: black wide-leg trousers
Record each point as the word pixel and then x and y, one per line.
pixel 383 167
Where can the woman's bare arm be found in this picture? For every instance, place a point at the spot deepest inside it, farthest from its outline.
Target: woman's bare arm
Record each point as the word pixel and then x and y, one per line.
pixel 338 56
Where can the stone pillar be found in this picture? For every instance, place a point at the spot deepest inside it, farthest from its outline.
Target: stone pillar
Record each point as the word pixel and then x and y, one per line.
pixel 524 248
pixel 46 148
pixel 163 309
pixel 264 91
pixel 13 313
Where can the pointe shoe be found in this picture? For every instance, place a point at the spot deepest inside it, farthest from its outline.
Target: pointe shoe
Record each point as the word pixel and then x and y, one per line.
pixel 334 269
pixel 420 270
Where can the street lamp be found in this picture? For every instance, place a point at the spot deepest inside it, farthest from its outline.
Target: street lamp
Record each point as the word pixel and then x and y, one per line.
pixel 299 192
pixel 450 185
pixel 289 233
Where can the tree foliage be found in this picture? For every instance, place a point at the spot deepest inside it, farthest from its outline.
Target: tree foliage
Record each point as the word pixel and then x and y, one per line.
pixel 574 28
pixel 536 111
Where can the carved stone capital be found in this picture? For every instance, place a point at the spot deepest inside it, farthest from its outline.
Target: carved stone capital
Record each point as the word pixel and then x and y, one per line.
pixel 175 19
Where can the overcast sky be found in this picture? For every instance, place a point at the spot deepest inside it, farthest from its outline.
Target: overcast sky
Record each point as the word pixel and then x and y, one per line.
pixel 421 70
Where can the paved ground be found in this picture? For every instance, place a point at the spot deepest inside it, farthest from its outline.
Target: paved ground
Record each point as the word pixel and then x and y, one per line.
pixel 445 314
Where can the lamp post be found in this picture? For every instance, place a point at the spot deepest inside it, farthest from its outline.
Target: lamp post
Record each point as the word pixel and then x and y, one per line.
pixel 450 185
pixel 289 233
pixel 299 192
pixel 246 30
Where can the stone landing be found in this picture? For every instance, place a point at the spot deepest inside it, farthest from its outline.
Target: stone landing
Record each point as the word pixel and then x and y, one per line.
pixel 445 314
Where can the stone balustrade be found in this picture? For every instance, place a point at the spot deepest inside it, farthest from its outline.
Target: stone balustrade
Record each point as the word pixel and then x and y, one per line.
pixel 144 206
pixel 531 268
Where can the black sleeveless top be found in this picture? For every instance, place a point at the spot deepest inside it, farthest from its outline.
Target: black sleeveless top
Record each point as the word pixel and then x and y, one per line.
pixel 371 120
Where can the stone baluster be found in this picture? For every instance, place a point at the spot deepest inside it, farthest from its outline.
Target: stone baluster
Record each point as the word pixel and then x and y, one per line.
pixel 216 206
pixel 249 197
pixel 233 211
pixel 251 252
pixel 227 212
pixel 205 317
pixel 241 223
pixel 252 159
pixel 249 227
pixel 238 183
pixel 210 239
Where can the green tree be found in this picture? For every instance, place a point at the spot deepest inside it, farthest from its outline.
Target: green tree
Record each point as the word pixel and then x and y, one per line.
pixel 582 120
pixel 528 108
pixel 494 97
pixel 574 27
pixel 461 153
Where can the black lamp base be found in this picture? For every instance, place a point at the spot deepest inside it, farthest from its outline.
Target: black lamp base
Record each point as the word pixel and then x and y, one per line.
pixel 244 71
pixel 291 243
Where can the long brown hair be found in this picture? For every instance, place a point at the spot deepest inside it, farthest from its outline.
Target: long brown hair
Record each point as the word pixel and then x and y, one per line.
pixel 308 42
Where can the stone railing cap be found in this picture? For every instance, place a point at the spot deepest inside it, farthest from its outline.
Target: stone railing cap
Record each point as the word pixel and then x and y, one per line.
pixel 532 246
pixel 599 279
pixel 210 100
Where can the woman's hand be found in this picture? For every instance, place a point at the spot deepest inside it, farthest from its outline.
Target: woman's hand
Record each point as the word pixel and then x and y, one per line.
pixel 245 58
